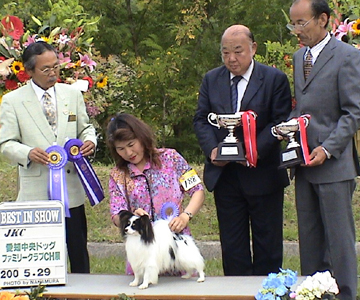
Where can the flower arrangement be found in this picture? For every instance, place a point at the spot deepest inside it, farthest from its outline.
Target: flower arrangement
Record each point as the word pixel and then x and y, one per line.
pixel 321 285
pixel 277 286
pixel 36 293
pixel 74 50
pixel 347 30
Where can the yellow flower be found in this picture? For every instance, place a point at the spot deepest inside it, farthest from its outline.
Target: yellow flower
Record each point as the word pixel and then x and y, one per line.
pixel 45 39
pixel 6 295
pixel 17 66
pixel 101 82
pixel 356 27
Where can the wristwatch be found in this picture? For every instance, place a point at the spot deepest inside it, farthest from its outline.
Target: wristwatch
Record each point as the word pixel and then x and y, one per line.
pixel 189 214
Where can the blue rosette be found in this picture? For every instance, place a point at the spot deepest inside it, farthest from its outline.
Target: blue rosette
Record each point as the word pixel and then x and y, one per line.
pixel 87 175
pixel 57 189
pixel 169 211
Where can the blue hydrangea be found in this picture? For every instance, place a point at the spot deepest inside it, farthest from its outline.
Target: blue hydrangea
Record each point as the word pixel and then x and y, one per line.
pixel 277 286
pixel 290 278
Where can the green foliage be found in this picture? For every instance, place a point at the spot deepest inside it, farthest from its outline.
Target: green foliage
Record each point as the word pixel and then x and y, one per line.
pixel 170 45
pixel 279 56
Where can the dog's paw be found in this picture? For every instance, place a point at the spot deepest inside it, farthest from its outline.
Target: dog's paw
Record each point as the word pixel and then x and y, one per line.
pixel 133 283
pixel 143 286
pixel 201 277
pixel 186 276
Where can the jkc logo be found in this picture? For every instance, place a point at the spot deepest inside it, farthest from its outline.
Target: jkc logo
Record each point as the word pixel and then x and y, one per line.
pixel 14 232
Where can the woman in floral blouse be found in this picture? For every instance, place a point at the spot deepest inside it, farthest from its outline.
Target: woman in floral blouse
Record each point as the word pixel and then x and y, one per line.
pixel 147 180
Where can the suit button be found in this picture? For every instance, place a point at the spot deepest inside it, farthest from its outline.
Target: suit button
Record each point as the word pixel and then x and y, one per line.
pixel 68 171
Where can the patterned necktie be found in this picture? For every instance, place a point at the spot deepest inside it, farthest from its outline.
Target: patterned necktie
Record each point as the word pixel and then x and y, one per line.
pixel 307 64
pixel 49 110
pixel 234 92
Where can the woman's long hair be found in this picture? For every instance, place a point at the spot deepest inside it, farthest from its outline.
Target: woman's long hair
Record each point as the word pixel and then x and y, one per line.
pixel 125 127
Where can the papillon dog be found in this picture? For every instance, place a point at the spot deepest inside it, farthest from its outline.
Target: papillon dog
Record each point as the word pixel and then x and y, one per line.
pixel 152 249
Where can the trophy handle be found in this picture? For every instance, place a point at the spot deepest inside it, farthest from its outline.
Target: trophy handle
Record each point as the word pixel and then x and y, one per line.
pixel 211 118
pixel 274 132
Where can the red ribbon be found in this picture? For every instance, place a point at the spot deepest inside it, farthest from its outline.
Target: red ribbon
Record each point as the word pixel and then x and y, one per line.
pixel 303 138
pixel 249 129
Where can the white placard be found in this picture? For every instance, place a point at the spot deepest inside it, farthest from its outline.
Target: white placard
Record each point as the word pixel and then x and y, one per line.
pixel 32 244
pixel 229 150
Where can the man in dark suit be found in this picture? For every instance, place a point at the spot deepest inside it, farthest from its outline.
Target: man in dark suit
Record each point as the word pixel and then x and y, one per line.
pixel 330 93
pixel 245 196
pixel 25 134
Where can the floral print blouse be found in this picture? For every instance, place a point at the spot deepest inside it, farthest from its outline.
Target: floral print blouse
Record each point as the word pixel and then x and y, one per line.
pixel 152 188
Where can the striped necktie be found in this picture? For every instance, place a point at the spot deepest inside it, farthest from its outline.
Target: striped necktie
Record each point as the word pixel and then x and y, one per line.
pixel 234 92
pixel 49 110
pixel 307 64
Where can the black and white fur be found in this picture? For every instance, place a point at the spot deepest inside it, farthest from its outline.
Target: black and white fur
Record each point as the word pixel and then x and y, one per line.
pixel 152 249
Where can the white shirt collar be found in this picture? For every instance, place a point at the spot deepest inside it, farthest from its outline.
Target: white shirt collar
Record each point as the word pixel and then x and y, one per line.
pixel 40 92
pixel 247 74
pixel 315 51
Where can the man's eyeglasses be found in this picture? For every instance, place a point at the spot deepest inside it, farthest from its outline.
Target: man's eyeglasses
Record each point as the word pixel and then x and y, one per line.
pixel 47 71
pixel 300 27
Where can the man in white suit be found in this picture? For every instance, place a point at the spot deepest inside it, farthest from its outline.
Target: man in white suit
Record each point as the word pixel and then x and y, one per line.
pixel 330 93
pixel 25 134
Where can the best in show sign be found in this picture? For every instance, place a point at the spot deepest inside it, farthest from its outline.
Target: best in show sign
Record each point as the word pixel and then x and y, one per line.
pixel 32 244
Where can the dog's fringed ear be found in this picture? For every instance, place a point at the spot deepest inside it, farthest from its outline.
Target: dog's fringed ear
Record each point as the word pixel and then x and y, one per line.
pixel 147 232
pixel 124 216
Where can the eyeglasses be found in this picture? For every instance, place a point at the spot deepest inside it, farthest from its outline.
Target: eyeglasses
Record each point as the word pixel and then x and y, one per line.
pixel 300 27
pixel 47 71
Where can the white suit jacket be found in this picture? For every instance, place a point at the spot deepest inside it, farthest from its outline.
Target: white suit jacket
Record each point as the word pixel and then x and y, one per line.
pixel 23 126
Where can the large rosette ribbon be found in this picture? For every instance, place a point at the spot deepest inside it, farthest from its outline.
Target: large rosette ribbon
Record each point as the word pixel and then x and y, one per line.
pixel 87 175
pixel 57 189
pixel 169 211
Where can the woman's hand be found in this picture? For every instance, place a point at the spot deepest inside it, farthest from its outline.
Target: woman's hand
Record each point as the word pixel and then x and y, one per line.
pixel 179 223
pixel 140 212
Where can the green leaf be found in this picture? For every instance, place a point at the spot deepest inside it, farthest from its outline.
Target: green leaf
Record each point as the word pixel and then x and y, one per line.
pixel 36 20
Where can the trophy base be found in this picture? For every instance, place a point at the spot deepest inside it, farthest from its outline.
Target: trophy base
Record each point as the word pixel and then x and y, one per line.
pixel 230 152
pixel 291 157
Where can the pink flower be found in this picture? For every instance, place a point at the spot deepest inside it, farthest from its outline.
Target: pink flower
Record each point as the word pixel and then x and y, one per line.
pixel 343 29
pixel 85 60
pixel 64 58
pixel 13 27
pixel 31 39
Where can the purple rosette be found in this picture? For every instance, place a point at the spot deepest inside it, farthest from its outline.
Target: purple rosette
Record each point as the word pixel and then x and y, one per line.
pixel 87 175
pixel 169 211
pixel 57 189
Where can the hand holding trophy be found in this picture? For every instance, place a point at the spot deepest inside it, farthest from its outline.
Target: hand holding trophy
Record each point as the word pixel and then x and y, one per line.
pixel 231 149
pixel 295 153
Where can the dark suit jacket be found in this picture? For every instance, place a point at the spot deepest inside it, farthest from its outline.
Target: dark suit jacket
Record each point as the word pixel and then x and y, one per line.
pixel 331 95
pixel 268 94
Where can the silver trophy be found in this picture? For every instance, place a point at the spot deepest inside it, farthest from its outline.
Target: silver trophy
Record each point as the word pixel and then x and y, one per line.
pixel 230 149
pixel 292 155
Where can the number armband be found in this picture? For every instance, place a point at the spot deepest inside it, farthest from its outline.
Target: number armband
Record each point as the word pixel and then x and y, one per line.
pixel 189 179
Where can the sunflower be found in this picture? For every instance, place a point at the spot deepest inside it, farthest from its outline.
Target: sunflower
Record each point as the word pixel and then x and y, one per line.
pixel 356 27
pixel 17 66
pixel 102 82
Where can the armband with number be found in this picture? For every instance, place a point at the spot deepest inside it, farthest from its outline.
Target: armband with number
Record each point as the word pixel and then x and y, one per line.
pixel 189 179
